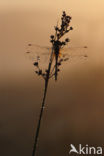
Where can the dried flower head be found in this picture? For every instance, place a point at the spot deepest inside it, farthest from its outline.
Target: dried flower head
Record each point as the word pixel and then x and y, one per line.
pixel 57 44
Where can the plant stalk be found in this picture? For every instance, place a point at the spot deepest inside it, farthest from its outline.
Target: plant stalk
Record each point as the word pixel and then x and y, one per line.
pixel 42 106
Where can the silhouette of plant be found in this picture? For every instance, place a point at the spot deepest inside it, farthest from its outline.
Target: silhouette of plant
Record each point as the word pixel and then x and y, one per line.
pixel 52 71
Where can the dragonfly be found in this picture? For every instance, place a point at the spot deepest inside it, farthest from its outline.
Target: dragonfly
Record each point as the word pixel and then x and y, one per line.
pixel 41 54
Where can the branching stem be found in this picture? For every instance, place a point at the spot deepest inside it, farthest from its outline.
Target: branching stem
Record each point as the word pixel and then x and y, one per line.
pixel 43 104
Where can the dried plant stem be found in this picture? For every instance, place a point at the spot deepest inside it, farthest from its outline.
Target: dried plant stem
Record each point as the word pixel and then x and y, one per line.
pixel 56 46
pixel 42 107
pixel 39 121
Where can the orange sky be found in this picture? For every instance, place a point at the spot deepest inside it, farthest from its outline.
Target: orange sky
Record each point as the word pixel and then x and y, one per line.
pixel 33 21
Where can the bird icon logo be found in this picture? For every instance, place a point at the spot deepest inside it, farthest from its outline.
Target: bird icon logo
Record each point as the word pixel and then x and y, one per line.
pixel 73 149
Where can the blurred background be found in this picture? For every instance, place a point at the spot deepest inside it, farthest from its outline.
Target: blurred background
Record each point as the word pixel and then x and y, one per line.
pixel 74 105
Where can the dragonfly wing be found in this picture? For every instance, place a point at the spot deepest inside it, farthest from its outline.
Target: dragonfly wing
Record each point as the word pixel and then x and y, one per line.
pixel 38 46
pixel 74 54
pixel 36 52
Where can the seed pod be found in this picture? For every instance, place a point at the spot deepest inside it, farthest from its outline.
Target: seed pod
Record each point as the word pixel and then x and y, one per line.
pixel 67 40
pixel 71 28
pixel 58 70
pixel 52 36
pixel 63 43
pixel 67 31
pixel 35 63
pixel 36 72
pixel 58 63
pixel 40 72
pixel 46 71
